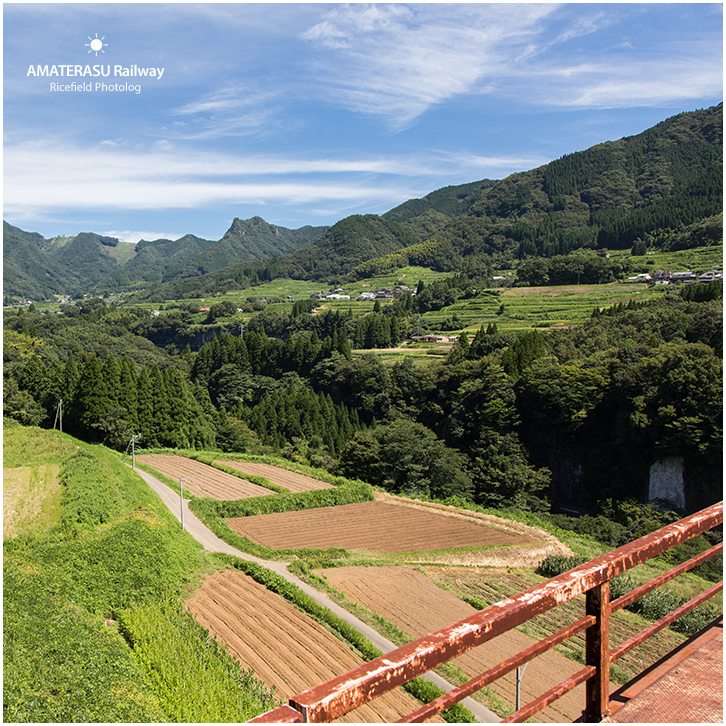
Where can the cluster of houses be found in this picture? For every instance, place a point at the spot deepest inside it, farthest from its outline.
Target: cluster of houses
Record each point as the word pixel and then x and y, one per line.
pixel 382 294
pixel 665 277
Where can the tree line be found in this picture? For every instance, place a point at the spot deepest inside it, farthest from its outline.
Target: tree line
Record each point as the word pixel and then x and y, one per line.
pixel 563 417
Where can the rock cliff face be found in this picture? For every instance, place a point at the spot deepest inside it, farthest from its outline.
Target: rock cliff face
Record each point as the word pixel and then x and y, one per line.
pixel 666 481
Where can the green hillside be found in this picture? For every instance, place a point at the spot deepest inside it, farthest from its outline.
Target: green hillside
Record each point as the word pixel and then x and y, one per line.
pixel 647 189
pixel 94 624
pixel 28 272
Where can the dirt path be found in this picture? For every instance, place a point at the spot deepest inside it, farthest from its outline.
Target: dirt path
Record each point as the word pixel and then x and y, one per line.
pixel 212 543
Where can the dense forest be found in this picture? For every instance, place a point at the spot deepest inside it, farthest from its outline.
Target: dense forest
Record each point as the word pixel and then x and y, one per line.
pixel 564 418
pixel 567 418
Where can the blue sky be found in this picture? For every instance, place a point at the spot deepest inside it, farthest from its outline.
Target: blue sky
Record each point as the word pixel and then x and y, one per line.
pixel 307 113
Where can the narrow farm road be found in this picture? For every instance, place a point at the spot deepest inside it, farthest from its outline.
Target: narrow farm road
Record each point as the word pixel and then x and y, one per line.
pixel 212 543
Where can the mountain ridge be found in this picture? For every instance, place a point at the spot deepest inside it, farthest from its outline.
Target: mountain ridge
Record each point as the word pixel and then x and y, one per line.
pixel 608 196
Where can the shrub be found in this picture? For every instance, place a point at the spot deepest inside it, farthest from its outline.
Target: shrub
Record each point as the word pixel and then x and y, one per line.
pixel 554 565
pixel 653 605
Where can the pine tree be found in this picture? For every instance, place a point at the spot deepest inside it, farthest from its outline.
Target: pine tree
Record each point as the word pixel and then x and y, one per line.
pixel 128 383
pixel 92 400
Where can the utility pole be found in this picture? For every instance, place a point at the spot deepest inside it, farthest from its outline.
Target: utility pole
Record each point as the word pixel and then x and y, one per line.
pixel 181 496
pixel 520 675
pixel 132 444
pixel 59 415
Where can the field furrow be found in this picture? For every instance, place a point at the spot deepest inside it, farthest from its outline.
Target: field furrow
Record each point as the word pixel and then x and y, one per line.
pixel 408 599
pixel 207 481
pixel 377 527
pixel 291 480
pixel 284 647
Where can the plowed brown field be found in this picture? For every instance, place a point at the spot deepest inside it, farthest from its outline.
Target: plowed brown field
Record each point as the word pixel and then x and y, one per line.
pixel 208 481
pixel 284 647
pixel 412 602
pixel 378 527
pixel 291 480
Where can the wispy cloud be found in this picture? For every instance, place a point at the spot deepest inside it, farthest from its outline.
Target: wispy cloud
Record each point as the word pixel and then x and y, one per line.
pixel 396 61
pixel 232 110
pixel 167 177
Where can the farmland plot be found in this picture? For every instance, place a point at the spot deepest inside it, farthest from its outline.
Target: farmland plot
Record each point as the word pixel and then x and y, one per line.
pixel 284 647
pixel 208 481
pixel 412 602
pixel 291 480
pixel 379 527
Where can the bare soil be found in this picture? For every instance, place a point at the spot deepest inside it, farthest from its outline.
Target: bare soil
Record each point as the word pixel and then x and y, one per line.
pixel 378 527
pixel 291 480
pixel 207 481
pixel 408 599
pixel 552 292
pixel 283 646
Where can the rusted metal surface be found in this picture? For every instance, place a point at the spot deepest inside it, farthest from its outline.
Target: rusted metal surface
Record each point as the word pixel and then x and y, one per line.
pixel 457 694
pixel 597 652
pixel 344 693
pixel 550 696
pixel 684 687
pixel 281 714
pixel 664 622
pixel 656 582
pixel 653 673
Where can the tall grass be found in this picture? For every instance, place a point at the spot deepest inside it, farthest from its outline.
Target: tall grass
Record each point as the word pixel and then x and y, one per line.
pixel 195 679
pixel 115 549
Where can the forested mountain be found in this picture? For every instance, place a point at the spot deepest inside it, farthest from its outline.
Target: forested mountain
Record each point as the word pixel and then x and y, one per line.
pixel 647 188
pixel 28 272
pixel 38 268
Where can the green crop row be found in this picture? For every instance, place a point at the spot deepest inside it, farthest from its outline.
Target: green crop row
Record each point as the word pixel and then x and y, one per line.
pixel 419 688
pixel 351 493
pixel 195 679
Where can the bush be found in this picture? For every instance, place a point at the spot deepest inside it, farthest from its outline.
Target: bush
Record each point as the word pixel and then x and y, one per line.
pixel 554 565
pixel 653 605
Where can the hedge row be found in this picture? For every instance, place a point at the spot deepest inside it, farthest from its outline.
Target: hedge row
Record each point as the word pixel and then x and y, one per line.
pixel 351 493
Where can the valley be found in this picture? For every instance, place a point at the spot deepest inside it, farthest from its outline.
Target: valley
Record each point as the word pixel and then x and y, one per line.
pixel 393 422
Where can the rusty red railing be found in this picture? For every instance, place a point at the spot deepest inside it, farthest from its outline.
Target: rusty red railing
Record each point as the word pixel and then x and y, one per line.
pixel 348 691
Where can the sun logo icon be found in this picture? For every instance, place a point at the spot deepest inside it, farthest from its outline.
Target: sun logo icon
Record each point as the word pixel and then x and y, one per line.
pixel 96 44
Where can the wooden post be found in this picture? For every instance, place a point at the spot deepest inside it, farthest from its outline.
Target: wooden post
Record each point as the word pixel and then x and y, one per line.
pixel 597 653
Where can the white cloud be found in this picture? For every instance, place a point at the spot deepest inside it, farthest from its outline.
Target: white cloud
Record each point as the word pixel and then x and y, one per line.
pixel 396 61
pixel 41 176
pixel 626 81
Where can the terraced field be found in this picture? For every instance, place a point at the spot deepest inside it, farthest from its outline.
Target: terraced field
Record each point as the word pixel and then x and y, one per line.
pixel 284 647
pixel 207 481
pixel 412 602
pixel 378 527
pixel 291 480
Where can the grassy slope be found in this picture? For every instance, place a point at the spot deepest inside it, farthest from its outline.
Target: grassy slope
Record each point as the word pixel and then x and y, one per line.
pixel 103 575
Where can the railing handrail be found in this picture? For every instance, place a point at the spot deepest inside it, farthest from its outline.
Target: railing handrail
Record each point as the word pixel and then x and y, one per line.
pixel 346 692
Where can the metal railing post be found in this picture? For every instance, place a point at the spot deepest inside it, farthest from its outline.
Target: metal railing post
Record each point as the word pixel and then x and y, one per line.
pixel 597 653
